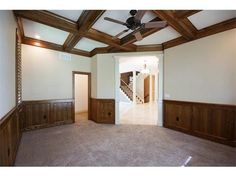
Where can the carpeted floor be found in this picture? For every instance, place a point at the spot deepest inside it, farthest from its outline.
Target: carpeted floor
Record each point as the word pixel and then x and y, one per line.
pixel 86 143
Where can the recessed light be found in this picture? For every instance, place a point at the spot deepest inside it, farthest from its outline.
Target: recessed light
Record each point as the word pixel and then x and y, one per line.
pixel 37 36
pixel 37 43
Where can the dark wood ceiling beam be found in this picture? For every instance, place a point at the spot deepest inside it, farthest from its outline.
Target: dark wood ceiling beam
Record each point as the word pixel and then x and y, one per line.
pixel 217 28
pixel 211 30
pixel 107 39
pixel 71 41
pixel 20 31
pixel 185 13
pixel 52 46
pixel 139 48
pixel 85 22
pixel 100 50
pixel 179 26
pixel 47 18
pixel 145 48
pixel 174 42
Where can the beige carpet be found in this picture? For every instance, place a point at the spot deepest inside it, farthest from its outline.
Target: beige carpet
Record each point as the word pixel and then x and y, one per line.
pixel 86 143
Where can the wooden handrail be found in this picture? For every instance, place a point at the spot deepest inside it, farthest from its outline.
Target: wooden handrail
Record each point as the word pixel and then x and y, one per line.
pixel 131 90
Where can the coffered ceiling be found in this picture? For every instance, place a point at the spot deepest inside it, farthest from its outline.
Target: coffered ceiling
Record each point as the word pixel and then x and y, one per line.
pixel 159 37
pixel 43 32
pixel 87 33
pixel 69 14
pixel 88 44
pixel 113 28
pixel 207 18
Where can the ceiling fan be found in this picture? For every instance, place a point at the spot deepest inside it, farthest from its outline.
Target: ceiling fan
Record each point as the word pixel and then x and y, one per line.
pixel 134 23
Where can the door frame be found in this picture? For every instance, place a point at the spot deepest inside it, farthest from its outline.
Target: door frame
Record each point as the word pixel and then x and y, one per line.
pixel 159 82
pixel 89 91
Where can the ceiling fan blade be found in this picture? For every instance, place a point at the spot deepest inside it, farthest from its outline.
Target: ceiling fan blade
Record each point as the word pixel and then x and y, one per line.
pixel 138 36
pixel 121 33
pixel 114 21
pixel 157 24
pixel 139 15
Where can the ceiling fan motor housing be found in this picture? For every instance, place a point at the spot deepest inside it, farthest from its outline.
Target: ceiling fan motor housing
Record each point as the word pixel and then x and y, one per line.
pixel 132 23
pixel 133 12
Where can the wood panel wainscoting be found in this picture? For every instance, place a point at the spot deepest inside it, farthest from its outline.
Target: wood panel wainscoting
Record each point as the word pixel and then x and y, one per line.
pixel 103 110
pixel 214 122
pixel 30 115
pixel 47 113
pixel 10 136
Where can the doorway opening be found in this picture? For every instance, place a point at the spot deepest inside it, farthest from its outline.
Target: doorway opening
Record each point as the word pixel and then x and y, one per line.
pixel 138 91
pixel 81 95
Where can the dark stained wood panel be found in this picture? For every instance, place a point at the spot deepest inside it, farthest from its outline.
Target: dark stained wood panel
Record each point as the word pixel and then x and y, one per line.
pixel 103 110
pixel 178 116
pixel 210 121
pixel 61 112
pixel 47 113
pixel 10 135
pixel 31 115
pixel 36 115
pixel 214 121
pixel 147 89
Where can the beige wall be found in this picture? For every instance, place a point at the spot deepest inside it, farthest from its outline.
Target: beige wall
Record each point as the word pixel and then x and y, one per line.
pixel 47 74
pixel 105 76
pixel 94 77
pixel 81 93
pixel 203 70
pixel 104 73
pixel 7 62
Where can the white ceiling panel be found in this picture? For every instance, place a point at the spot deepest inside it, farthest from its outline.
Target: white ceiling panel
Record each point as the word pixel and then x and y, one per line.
pixel 122 15
pixel 159 37
pixel 207 18
pixel 70 14
pixel 88 44
pixel 44 32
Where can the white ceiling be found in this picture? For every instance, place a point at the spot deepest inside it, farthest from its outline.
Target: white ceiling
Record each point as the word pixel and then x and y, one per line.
pixel 159 37
pixel 122 15
pixel 88 44
pixel 207 18
pixel 200 20
pixel 46 33
pixel 70 14
pixel 136 63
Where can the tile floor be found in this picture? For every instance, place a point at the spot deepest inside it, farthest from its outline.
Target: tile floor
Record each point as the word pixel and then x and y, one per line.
pixel 139 114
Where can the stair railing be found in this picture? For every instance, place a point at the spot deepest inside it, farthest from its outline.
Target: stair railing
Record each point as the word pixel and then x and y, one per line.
pixel 132 90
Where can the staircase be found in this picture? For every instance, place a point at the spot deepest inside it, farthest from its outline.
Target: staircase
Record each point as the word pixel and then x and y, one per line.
pixel 127 90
